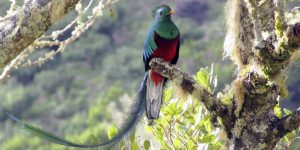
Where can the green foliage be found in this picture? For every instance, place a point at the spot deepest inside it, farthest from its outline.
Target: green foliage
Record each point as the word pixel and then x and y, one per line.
pixel 185 124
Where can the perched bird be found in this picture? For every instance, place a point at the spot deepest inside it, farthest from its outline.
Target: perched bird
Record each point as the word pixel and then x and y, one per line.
pixel 162 41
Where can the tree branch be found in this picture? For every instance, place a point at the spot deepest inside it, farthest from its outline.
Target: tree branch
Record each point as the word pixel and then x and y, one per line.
pixel 21 29
pixel 287 124
pixel 189 85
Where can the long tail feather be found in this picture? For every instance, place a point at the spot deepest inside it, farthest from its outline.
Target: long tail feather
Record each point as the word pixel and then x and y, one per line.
pixel 130 123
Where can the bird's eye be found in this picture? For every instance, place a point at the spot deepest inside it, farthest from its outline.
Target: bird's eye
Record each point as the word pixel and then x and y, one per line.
pixel 160 13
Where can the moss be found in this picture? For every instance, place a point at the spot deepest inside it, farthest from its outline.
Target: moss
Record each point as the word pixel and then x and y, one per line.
pixel 238 90
pixel 279 26
pixel 262 146
pixel 240 124
pixel 232 41
pixel 226 98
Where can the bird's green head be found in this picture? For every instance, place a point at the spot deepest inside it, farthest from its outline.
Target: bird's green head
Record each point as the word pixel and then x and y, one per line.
pixel 162 13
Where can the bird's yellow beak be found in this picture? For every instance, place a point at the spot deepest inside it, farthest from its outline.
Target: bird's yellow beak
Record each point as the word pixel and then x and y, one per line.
pixel 172 11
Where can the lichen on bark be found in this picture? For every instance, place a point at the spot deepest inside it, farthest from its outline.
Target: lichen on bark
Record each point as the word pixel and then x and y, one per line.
pixel 21 28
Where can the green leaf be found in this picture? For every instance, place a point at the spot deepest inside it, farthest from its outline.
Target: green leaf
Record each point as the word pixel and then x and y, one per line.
pixel 172 108
pixel 208 138
pixel 191 119
pixel 177 143
pixel 191 144
pixel 204 121
pixel 160 133
pixel 112 132
pixel 149 129
pixel 167 94
pixel 147 145
pixel 134 146
pixel 202 77
pixel 290 136
pixel 208 126
pixel 215 146
pixel 277 111
pixel 287 111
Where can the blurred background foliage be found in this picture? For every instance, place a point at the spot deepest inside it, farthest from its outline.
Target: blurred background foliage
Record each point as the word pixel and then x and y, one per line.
pixel 87 89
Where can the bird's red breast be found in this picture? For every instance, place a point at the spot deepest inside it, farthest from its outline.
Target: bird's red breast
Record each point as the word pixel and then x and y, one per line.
pixel 166 49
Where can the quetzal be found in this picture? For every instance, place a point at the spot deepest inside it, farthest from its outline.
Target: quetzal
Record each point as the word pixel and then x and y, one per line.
pixel 162 41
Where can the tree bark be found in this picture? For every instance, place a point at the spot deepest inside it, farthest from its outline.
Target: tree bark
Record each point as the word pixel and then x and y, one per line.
pixel 19 30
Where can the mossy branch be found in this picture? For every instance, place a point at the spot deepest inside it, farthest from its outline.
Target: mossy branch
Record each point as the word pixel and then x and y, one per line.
pixel 189 85
pixel 19 30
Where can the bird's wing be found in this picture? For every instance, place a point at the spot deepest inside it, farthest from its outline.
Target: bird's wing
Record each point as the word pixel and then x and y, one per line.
pixel 149 47
pixel 175 59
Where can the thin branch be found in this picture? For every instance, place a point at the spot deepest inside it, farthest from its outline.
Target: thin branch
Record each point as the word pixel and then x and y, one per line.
pixel 293 36
pixel 13 64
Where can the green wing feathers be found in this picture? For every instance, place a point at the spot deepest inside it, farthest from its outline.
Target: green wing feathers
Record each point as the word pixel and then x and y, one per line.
pixel 149 44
